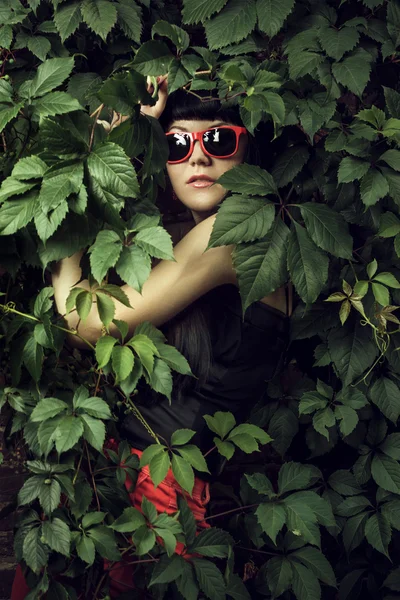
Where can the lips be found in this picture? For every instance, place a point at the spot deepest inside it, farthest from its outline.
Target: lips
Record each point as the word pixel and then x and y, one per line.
pixel 195 178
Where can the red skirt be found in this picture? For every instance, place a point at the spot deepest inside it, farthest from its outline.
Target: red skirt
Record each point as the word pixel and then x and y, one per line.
pixel 164 498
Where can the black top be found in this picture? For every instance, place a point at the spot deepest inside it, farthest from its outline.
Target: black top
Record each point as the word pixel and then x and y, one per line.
pixel 245 356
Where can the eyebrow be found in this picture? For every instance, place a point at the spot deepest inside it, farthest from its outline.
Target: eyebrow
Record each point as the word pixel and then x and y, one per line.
pixel 187 130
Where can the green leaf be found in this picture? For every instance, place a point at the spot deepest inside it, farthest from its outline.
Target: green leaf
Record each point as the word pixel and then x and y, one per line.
pixel 392 581
pixel 282 427
pixel 352 506
pixel 261 266
pixel 167 569
pixel 386 396
pixel 193 456
pixel 34 552
pixel 30 490
pixel 261 484
pixel 344 483
pixel 348 419
pixel 323 419
pixel 99 15
pixel 272 14
pixel 13 187
pixel 373 187
pixel 83 303
pixel 303 63
pixel 39 46
pixel 50 75
pixel 59 184
pixel 307 265
pixel 183 473
pixel 327 229
pixel 6 36
pixel 156 241
pixel 316 562
pixel 392 158
pixel 389 225
pixel 336 42
pixel 220 423
pixel 144 538
pixel 209 578
pixel 392 101
pixel 129 20
pixel 279 573
pixel 304 583
pixel 178 36
pixel 241 219
pixel 94 431
pixel 134 266
pixel 391 446
pixel 353 72
pixel 235 22
pixel 67 18
pixel 181 437
pixel 301 519
pixel 387 279
pixel 122 361
pixel 195 11
pixel 104 253
pixel 47 408
pixel 104 347
pixel 49 495
pixel 294 476
pixel 55 103
pixel 86 550
pixel 129 521
pixel 9 113
pixel 289 164
pixel 146 350
pixel 159 466
pixel 226 449
pixel 16 214
pixel 174 359
pixel 248 179
pixel 68 432
pixel 152 58
pixel 212 542
pixel 111 168
pixel 104 541
pixel 161 378
pixel 386 473
pixel 272 518
pixel 57 535
pixel 106 308
pixel 353 532
pixel 378 533
pixel 32 356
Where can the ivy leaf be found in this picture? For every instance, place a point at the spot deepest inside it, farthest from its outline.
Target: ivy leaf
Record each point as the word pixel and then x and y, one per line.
pixel 195 11
pixel 50 74
pixel 134 266
pixel 104 253
pixel 327 229
pixel 130 520
pixel 303 63
pixel 272 14
pixel 289 164
pixel 34 552
pixel 378 533
pixel 301 518
pixel 323 419
pixel 248 179
pixel 55 103
pixel 104 347
pixel 272 518
pixel 209 578
pixel 241 219
pixel 32 356
pixel 156 241
pixel 111 168
pixel 307 265
pixel 294 476
pixel 353 532
pixel 68 432
pixel 261 266
pixel 212 542
pixel 94 431
pixel 6 36
pixel 235 22
pixel 67 18
pixel 392 101
pixel 391 446
pixel 86 550
pixel 193 456
pixel 336 42
pixel 348 419
pixel 220 423
pixel 49 495
pixel 47 408
pixel 183 473
pixel 304 583
pixel 152 58
pixel 282 428
pixel 57 535
pixel 99 15
pixel 129 19
pixel 181 437
pixel 373 187
pixel 279 573
pixel 16 214
pixel 31 167
pixel 385 395
pixel 174 359
pixel 122 361
pixel 161 379
pixel 316 562
pixel 167 569
pixel 353 72
pixel 386 473
pixel 39 46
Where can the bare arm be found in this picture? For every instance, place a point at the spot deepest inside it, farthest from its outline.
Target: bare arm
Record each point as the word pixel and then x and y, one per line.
pixel 170 288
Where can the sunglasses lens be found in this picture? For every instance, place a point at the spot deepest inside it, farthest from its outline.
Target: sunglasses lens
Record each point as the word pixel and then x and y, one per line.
pixel 220 142
pixel 179 146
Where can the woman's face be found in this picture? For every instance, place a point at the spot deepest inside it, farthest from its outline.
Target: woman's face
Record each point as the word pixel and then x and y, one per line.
pixel 201 197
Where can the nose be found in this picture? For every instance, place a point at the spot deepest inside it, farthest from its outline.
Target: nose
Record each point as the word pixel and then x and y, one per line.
pixel 198 157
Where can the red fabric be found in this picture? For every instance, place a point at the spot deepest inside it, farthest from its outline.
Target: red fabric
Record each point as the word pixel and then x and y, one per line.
pixel 164 498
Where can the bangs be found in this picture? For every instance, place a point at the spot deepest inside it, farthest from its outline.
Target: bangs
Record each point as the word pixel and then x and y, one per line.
pixel 183 106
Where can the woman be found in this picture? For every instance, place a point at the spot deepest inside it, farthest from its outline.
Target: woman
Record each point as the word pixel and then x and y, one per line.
pixel 196 302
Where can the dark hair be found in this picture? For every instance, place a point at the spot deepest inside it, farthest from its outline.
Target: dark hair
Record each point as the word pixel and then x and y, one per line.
pixel 189 331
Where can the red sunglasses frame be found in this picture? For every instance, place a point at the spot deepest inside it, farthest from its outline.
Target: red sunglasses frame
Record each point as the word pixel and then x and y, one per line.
pixel 198 135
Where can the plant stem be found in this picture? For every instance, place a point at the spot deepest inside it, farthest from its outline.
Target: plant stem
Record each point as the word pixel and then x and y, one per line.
pixel 92 476
pixel 233 510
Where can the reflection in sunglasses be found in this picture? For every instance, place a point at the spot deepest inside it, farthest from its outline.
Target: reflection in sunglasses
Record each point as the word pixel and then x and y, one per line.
pixel 180 139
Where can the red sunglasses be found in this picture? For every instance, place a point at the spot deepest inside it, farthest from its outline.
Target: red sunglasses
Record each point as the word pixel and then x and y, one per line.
pixel 217 142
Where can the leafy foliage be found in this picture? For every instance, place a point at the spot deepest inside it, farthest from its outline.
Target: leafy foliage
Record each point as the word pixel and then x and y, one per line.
pixel 322 209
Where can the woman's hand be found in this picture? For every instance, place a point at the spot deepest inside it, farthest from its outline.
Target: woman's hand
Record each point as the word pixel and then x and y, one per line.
pixel 156 110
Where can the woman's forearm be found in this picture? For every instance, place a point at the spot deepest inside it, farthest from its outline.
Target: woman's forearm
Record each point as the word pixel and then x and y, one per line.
pixel 65 276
